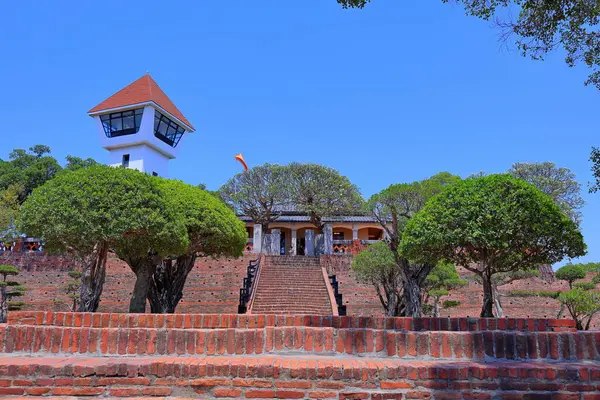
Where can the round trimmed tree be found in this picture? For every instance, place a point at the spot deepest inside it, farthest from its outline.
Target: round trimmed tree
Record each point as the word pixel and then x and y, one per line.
pixel 489 225
pixel 570 273
pixel 212 229
pixel 88 211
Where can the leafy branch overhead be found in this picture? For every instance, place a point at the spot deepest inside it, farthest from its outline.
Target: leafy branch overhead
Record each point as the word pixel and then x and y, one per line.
pixel 540 27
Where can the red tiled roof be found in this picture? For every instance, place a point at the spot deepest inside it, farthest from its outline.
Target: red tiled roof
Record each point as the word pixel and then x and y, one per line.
pixel 143 90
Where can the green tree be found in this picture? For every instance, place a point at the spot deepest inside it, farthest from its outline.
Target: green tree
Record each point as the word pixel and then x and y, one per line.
pixel 8 291
pixel 582 305
pixel 595 159
pixel 540 27
pixel 393 208
pixel 558 183
pixel 441 280
pixel 490 225
pixel 75 163
pixel 88 211
pixel 321 191
pixel 9 208
pixel 164 236
pixel 377 266
pixel 212 229
pixel 570 273
pixel 259 193
pixel 28 169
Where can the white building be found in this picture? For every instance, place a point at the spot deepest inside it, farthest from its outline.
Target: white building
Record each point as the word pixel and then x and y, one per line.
pixel 141 127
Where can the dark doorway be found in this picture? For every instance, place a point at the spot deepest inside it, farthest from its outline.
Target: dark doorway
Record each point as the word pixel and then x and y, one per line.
pixel 282 244
pixel 300 246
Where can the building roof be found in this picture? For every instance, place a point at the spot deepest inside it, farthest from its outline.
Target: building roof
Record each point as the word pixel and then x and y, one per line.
pixel 144 90
pixel 306 218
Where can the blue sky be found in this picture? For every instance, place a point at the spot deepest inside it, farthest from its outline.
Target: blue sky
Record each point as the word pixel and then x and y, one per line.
pixel 393 93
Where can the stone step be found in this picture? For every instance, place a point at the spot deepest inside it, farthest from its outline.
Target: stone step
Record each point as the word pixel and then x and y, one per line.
pixel 211 321
pixel 286 284
pixel 293 377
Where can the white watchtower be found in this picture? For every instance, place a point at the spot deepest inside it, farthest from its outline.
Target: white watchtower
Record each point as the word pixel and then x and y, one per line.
pixel 141 127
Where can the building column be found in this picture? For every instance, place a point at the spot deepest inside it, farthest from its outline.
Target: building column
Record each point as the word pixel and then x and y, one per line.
pixel 309 246
pixel 293 245
pixel 275 242
pixel 257 239
pixel 328 239
pixel 354 233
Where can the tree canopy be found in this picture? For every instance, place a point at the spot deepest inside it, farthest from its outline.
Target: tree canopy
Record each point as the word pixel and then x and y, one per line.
pixel 321 191
pixel 27 169
pixel 540 27
pixel 89 210
pixel 393 208
pixel 570 273
pixel 212 230
pixel 489 225
pixel 558 183
pixel 259 193
pixel 595 159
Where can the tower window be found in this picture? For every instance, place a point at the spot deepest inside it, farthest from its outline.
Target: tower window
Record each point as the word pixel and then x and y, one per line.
pixel 125 160
pixel 122 123
pixel 167 130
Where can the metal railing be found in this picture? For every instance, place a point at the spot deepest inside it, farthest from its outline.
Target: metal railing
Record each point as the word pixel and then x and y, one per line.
pixel 248 285
pixel 338 296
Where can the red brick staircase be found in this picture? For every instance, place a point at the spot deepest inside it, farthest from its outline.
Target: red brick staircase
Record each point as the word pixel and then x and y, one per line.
pixel 295 356
pixel 292 285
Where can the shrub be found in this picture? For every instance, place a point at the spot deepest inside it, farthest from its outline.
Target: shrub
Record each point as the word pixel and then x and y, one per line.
pixel 585 285
pixel 450 303
pixel 549 294
pixel 523 293
pixel 582 305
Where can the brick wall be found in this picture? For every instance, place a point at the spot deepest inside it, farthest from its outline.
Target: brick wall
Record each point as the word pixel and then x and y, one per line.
pixel 361 299
pixel 212 286
pixel 274 377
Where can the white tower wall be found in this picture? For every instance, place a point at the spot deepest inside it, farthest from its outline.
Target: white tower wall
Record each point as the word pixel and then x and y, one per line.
pixel 147 153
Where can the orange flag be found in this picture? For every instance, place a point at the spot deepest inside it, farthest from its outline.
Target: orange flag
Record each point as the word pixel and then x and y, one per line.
pixel 240 158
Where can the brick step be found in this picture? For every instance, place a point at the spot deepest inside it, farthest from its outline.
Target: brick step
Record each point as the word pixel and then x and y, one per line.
pixel 479 346
pixel 294 377
pixel 211 321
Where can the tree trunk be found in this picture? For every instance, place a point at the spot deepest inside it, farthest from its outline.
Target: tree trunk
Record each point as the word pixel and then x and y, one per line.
pixel 3 305
pixel 412 298
pixel 167 283
pixel 92 278
pixel 143 269
pixel 488 296
pixel 498 303
pixel 392 305
pixel 436 307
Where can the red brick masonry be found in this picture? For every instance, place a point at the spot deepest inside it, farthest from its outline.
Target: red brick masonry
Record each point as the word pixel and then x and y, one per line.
pixel 233 356
pixel 212 321
pixel 295 378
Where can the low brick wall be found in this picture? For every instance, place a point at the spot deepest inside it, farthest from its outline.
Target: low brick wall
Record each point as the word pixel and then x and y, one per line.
pixel 292 378
pixel 211 321
pixel 477 346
